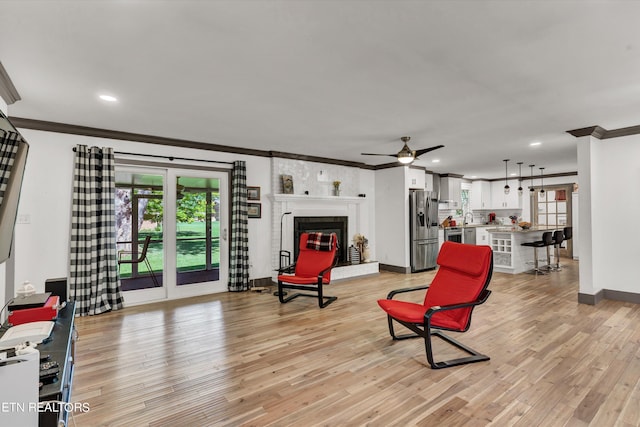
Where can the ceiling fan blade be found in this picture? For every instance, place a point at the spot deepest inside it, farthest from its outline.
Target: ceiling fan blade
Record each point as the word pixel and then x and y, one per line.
pixel 426 150
pixel 377 154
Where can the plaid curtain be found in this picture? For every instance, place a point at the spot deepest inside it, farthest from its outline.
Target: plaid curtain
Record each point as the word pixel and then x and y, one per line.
pixel 93 266
pixel 9 142
pixel 239 251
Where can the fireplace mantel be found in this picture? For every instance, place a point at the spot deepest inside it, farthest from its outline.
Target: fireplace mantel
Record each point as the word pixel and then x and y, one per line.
pixel 304 197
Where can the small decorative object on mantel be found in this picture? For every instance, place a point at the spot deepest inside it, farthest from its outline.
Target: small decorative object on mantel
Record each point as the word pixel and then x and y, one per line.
pixel 287 184
pixel 336 188
pixel 362 244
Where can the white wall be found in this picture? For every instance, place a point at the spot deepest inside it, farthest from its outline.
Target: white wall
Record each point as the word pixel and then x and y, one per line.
pixel 614 208
pixel 392 217
pixel 41 249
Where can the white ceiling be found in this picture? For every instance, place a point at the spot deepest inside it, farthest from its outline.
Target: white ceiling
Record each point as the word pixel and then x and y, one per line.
pixel 335 78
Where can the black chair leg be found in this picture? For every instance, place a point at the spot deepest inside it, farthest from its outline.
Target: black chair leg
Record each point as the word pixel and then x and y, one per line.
pixel 323 301
pixel 474 355
pixel 153 276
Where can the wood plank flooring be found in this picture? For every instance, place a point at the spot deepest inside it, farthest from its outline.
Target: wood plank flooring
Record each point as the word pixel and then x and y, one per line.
pixel 244 359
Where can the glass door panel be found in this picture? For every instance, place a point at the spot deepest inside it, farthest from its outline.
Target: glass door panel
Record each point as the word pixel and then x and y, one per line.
pixel 200 221
pixel 139 204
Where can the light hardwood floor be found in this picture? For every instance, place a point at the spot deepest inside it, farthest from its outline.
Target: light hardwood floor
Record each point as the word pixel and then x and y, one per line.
pixel 245 359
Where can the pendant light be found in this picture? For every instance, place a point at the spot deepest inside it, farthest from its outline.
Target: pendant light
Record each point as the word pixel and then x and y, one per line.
pixel 506 184
pixel 541 183
pixel 520 178
pixel 531 189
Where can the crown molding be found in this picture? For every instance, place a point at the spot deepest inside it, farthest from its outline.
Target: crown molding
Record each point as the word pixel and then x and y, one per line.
pixel 602 133
pixel 56 127
pixel 8 91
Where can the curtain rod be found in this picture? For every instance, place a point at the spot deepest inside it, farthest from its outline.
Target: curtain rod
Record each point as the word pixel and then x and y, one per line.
pixel 170 158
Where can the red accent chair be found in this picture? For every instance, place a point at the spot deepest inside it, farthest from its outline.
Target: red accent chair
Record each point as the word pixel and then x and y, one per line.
pixel 312 272
pixel 459 285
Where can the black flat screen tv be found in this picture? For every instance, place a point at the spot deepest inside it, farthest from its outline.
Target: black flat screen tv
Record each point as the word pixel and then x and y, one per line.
pixel 13 159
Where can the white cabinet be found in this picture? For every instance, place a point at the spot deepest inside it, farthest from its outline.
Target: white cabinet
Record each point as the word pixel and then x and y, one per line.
pixel 482 236
pixel 502 250
pixel 451 192
pixel 499 200
pixel 480 197
pixel 416 179
pixel 428 182
pixel 440 238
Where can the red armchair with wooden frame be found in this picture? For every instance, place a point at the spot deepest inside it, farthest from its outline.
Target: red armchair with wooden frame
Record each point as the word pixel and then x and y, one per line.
pixel 459 285
pixel 312 268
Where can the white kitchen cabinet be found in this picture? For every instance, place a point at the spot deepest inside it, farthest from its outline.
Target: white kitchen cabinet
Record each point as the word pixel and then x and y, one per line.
pixel 499 200
pixel 480 197
pixel 482 236
pixel 440 238
pixel 416 179
pixel 428 181
pixel 450 191
pixel 501 244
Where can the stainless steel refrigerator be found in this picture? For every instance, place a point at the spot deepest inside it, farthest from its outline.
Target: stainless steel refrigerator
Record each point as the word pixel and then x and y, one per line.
pixel 423 214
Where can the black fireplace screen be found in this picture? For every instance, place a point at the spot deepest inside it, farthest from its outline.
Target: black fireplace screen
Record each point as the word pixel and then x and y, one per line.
pixel 322 224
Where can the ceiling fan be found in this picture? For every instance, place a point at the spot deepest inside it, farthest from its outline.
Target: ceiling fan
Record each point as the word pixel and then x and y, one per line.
pixel 406 155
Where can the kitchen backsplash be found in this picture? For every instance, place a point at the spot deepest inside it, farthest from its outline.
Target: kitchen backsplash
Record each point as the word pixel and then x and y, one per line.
pixel 480 216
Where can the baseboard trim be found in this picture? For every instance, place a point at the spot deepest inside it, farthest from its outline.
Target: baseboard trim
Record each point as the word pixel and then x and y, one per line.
pixel 621 296
pixel 609 294
pixel 395 268
pixel 589 298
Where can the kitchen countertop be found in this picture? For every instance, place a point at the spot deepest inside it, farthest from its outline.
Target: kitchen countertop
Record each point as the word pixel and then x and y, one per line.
pixel 468 226
pixel 506 229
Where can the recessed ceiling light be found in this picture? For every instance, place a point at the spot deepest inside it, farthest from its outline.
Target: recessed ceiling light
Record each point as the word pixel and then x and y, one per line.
pixel 513 174
pixel 535 143
pixel 435 161
pixel 108 98
pixel 474 176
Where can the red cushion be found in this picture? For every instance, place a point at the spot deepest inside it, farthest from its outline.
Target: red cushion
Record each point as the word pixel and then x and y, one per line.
pixel 468 259
pixel 461 278
pixel 298 280
pixel 310 263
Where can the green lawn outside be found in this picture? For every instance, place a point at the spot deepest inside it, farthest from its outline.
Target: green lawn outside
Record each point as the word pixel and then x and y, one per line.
pixel 191 247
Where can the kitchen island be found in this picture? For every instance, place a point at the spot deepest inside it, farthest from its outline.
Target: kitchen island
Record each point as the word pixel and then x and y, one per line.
pixel 509 256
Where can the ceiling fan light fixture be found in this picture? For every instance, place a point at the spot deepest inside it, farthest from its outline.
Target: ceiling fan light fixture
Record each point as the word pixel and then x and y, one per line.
pixel 405 158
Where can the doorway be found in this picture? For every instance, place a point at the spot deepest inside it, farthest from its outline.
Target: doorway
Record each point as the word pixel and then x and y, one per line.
pixel 184 212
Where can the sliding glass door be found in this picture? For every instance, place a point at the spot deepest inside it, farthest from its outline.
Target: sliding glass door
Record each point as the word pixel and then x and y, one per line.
pixel 184 214
pixel 201 228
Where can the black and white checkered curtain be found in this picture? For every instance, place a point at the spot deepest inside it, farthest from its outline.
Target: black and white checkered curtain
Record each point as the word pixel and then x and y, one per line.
pixel 9 142
pixel 94 282
pixel 239 251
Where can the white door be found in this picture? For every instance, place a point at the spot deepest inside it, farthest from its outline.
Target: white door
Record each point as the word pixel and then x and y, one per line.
pixel 198 228
pixel 185 214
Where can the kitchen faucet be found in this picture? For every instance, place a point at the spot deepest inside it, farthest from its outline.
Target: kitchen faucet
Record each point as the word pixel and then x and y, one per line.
pixel 465 218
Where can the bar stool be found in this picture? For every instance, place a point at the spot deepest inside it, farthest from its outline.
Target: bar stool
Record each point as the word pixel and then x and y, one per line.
pixel 558 238
pixel 547 240
pixel 568 233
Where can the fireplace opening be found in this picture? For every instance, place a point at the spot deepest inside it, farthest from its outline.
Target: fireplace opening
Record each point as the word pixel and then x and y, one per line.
pixel 322 224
